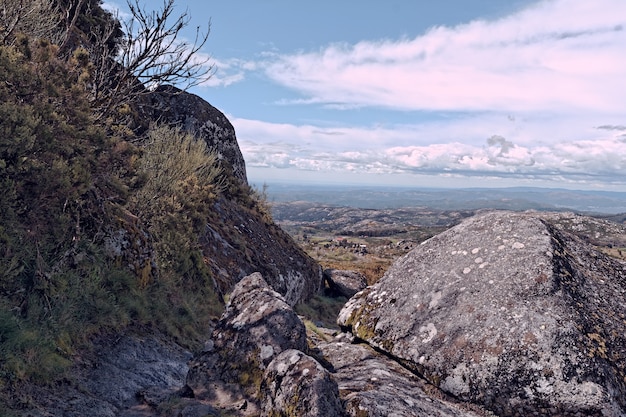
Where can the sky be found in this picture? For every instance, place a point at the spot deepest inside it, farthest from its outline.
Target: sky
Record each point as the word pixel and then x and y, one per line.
pixel 446 93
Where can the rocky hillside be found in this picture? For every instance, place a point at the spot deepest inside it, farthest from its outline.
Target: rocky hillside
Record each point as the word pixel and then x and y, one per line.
pixel 505 314
pixel 123 226
pixel 126 221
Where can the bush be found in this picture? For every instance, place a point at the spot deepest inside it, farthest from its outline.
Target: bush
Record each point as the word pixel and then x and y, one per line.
pixel 64 181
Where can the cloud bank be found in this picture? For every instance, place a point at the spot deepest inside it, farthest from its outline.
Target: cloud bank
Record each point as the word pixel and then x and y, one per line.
pixel 597 162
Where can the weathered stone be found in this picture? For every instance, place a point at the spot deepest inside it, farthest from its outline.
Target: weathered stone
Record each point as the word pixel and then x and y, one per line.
pixel 344 283
pixel 129 367
pixel 170 105
pixel 243 243
pixel 200 410
pixel 257 325
pixel 296 385
pixel 372 385
pixel 135 364
pixel 506 311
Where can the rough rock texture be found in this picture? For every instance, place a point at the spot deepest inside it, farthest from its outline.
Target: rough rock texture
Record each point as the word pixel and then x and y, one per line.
pixel 296 385
pixel 125 369
pixel 505 311
pixel 242 243
pixel 170 105
pixel 372 385
pixel 257 325
pixel 344 283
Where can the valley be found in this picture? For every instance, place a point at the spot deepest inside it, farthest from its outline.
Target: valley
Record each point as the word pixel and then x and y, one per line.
pixel 369 240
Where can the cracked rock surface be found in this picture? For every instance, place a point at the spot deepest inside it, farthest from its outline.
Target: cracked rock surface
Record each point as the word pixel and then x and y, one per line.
pixel 506 311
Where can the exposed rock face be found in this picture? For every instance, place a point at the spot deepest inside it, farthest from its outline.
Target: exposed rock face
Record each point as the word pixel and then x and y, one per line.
pixel 345 283
pixel 257 325
pixel 125 369
pixel 171 105
pixel 373 385
pixel 296 385
pixel 242 243
pixel 505 311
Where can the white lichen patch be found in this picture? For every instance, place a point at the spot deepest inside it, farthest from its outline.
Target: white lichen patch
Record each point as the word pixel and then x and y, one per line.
pixel 475 251
pixel 456 383
pixel 478 260
pixel 434 300
pixel 517 245
pixel 467 270
pixel 267 351
pixel 428 332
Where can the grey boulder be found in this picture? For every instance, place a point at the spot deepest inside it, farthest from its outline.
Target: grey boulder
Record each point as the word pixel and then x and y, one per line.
pixel 506 311
pixel 256 326
pixel 295 384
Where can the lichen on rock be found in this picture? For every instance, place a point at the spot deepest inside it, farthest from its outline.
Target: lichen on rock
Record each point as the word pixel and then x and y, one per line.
pixel 506 311
pixel 296 385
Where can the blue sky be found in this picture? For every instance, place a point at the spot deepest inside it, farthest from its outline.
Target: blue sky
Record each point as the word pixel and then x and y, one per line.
pixel 453 93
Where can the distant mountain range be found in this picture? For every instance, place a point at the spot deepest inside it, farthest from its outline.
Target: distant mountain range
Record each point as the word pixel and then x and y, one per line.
pixel 518 198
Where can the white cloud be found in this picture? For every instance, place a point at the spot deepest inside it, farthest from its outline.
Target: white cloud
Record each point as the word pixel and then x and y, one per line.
pixel 116 10
pixel 565 54
pixel 535 95
pixel 228 71
pixel 267 145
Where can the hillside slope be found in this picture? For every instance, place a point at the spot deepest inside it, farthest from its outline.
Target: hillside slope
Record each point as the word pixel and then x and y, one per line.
pixel 109 231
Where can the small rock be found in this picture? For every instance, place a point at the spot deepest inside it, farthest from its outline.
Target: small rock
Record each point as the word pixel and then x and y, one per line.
pixel 295 384
pixel 344 283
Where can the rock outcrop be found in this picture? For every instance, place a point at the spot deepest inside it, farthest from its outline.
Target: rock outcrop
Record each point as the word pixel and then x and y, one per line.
pixel 373 385
pixel 170 105
pixel 257 326
pixel 506 311
pixel 237 241
pixel 125 369
pixel 243 242
pixel 344 283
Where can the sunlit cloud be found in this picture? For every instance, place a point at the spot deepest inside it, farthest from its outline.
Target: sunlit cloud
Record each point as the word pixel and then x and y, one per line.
pixel 563 54
pixel 228 72
pixel 266 145
pixel 117 10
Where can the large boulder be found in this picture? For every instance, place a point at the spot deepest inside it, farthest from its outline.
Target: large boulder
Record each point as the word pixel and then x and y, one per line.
pixel 296 385
pixel 506 311
pixel 257 325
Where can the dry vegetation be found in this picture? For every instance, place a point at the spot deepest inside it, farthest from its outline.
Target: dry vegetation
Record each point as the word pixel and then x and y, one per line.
pixel 369 256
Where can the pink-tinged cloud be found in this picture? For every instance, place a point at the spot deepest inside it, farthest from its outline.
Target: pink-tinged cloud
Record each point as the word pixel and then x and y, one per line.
pixel 267 145
pixel 562 54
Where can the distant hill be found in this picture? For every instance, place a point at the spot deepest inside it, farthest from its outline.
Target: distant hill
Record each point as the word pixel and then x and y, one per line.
pixel 518 198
